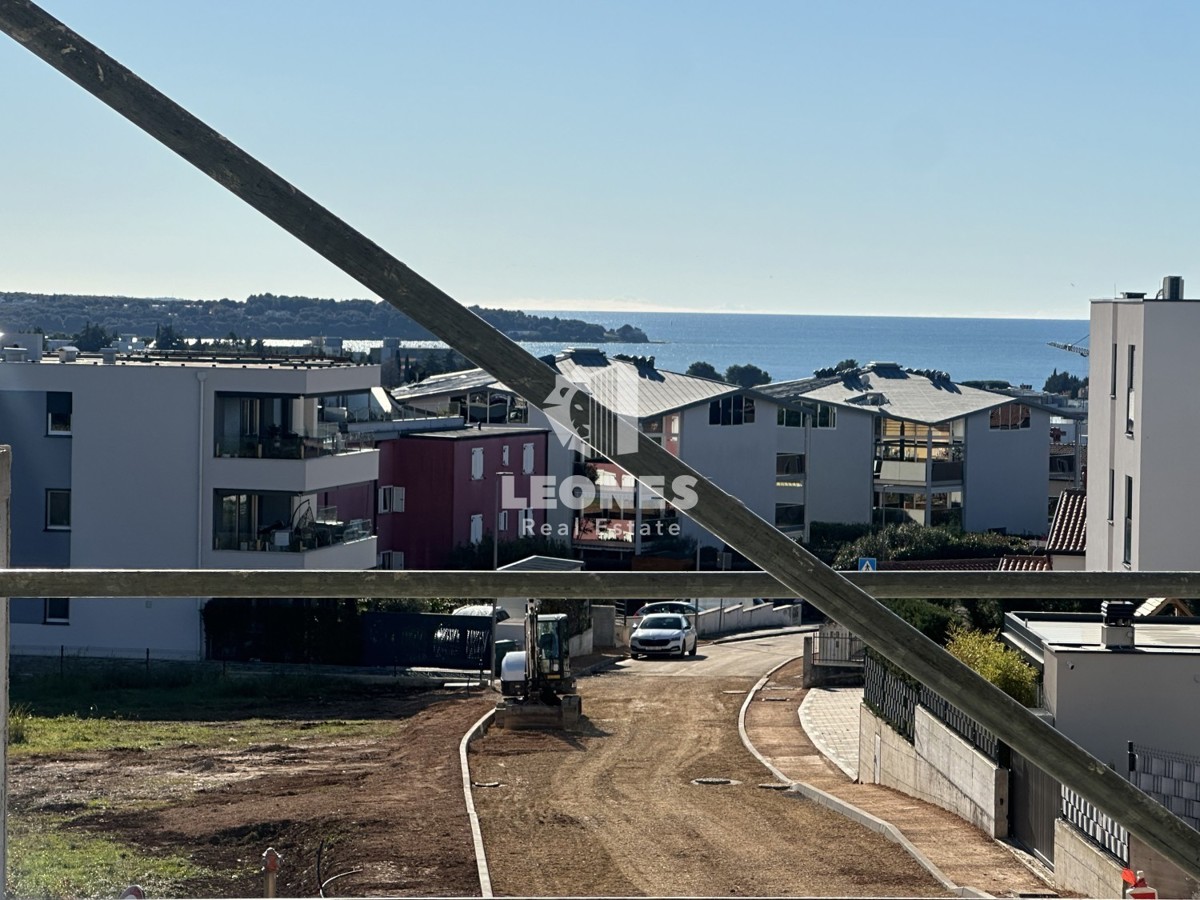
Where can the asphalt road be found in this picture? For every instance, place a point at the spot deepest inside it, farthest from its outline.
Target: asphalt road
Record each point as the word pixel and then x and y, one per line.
pixel 753 658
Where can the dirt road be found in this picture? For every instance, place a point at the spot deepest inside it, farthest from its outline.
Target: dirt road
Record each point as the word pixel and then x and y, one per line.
pixel 613 810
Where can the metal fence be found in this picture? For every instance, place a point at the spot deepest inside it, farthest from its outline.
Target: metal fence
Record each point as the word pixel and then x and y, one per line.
pixel 890 695
pixel 1102 830
pixel 1173 779
pixel 838 648
pixel 960 723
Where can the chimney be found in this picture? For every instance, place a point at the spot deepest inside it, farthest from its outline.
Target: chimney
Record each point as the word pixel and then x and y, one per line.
pixel 1116 624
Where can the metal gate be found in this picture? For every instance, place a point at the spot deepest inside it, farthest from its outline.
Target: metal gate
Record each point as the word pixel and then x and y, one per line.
pixel 421 639
pixel 1034 801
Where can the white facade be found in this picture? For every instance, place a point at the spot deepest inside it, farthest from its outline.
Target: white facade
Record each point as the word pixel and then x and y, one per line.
pixel 1143 410
pixel 146 469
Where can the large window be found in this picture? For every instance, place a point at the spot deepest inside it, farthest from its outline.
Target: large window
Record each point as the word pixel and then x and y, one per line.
pixel 527 459
pixel 476 463
pixel 1130 413
pixel 1112 487
pixel 1127 557
pixel 791 418
pixel 476 528
pixel 58 413
pixel 58 509
pixel 789 468
pixel 1009 417
pixel 826 416
pixel 735 410
pixel 789 516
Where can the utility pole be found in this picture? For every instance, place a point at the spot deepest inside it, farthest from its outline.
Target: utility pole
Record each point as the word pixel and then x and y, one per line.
pixel 500 476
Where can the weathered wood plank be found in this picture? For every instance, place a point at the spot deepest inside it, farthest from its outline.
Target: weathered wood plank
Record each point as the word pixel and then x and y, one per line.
pixel 799 572
pixel 965 586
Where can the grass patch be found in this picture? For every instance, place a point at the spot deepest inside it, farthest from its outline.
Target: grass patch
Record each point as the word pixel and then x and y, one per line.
pixel 65 734
pixel 45 862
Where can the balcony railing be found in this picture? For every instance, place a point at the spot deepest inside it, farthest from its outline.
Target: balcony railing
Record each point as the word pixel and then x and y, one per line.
pixel 327 441
pixel 312 536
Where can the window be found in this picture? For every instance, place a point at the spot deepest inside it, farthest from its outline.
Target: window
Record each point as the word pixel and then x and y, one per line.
pixel 476 463
pixel 527 459
pixel 390 560
pixel 789 516
pixel 790 418
pixel 58 413
pixel 826 416
pixel 1009 417
pixel 1129 404
pixel 58 510
pixel 57 611
pixel 1112 487
pixel 476 528
pixel 504 455
pixel 1112 383
pixel 503 521
pixel 789 468
pixel 1127 558
pixel 735 410
pixel 525 525
pixel 391 500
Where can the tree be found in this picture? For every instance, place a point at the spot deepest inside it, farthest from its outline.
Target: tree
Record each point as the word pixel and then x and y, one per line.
pixel 166 338
pixel 1003 667
pixel 92 338
pixel 747 376
pixel 703 370
pixel 1064 383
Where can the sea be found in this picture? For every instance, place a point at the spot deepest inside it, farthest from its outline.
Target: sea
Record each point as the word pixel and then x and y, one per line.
pixel 792 346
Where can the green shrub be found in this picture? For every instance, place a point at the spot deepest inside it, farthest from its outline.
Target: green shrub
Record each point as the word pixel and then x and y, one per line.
pixel 931 619
pixel 1004 668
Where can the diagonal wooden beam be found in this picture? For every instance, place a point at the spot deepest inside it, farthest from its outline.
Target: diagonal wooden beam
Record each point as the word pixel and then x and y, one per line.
pixel 797 571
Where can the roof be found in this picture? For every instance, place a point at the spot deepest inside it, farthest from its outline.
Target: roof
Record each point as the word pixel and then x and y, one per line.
pixel 1017 563
pixel 475 432
pixel 1082 630
pixel 447 383
pixel 622 382
pixel 1163 606
pixel 895 392
pixel 1068 531
pixel 543 564
pixel 984 564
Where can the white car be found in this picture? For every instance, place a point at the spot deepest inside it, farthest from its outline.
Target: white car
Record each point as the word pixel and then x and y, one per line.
pixel 668 633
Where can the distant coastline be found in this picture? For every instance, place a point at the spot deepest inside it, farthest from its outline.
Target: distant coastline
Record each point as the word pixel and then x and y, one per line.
pixel 271 317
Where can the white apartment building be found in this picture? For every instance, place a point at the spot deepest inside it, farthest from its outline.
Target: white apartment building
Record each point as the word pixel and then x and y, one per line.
pixel 882 443
pixel 175 461
pixel 1143 495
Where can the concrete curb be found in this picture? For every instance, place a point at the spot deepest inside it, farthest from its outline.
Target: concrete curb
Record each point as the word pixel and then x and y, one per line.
pixel 841 807
pixel 475 731
pixel 820 743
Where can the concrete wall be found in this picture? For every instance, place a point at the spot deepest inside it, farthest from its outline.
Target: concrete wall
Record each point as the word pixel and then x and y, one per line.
pixel 939 767
pixel 840 483
pixel 746 615
pixel 1004 475
pixel 1082 868
pixel 1164 876
pixel 739 458
pixel 1155 696
pixel 604 626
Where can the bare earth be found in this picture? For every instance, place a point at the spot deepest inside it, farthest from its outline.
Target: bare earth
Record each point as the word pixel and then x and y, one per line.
pixel 612 811
pixel 391 806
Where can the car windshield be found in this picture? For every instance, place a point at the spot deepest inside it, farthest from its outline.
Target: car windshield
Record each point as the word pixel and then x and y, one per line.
pixel 675 623
pixel 652 608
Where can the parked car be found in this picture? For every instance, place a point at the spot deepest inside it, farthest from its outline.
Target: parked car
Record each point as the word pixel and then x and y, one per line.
pixel 668 633
pixel 679 607
pixel 482 609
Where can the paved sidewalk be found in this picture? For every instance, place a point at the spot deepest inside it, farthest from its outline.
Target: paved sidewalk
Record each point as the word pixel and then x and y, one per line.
pixel 829 716
pixel 961 852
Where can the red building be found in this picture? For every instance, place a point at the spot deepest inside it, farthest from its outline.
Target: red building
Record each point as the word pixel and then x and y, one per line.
pixel 441 489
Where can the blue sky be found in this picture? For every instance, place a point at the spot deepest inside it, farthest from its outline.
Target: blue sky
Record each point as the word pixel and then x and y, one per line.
pixel 918 158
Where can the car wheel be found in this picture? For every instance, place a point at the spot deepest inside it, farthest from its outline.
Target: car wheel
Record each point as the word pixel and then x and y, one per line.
pixel 632 655
pixel 683 648
pixel 695 647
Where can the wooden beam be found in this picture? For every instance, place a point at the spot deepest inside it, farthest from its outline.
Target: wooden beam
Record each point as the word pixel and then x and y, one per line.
pixel 799 573
pixel 469 585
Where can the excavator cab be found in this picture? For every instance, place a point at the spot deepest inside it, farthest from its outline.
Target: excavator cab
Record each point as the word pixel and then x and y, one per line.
pixel 545 696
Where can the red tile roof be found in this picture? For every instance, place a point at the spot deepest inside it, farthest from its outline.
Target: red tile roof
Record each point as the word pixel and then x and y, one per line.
pixel 1068 532
pixel 940 565
pixel 1025 564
